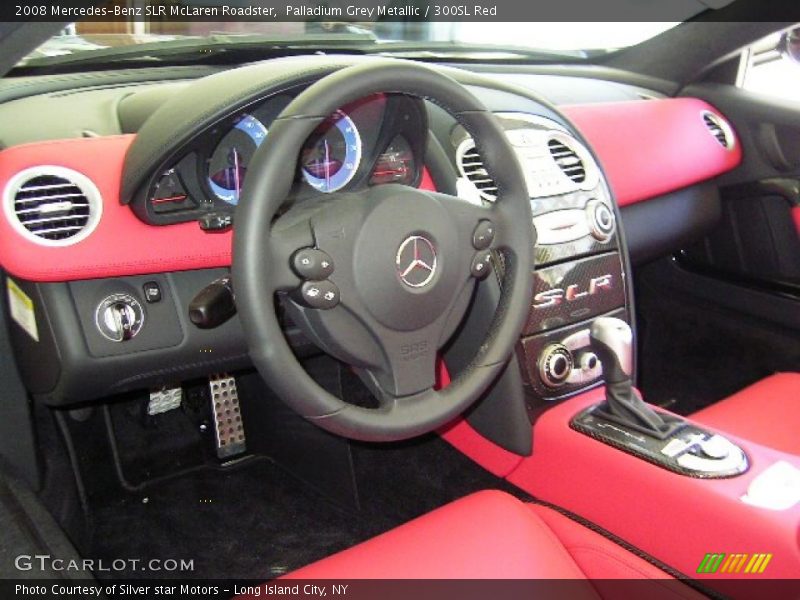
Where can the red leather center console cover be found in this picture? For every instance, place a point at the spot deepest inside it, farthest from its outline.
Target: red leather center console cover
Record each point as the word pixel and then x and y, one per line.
pixel 674 518
pixel 767 413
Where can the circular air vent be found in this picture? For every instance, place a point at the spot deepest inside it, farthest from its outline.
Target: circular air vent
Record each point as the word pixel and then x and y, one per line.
pixel 567 160
pixel 719 128
pixel 470 164
pixel 52 206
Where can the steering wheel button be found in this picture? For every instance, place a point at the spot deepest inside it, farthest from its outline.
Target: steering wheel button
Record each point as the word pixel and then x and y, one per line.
pixel 320 294
pixel 312 264
pixel 481 264
pixel 483 236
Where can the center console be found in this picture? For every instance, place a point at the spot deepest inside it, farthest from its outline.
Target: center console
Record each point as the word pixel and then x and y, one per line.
pixel 670 487
pixel 625 421
pixel 580 269
pixel 580 273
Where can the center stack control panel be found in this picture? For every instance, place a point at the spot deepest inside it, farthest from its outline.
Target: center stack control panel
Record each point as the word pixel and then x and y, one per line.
pixel 579 270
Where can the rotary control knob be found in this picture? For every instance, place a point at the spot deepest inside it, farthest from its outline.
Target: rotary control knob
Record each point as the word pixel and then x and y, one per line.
pixel 601 220
pixel 555 365
pixel 119 317
pixel 589 362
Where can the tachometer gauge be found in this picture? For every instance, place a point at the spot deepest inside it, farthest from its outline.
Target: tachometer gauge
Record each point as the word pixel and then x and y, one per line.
pixel 332 154
pixel 227 166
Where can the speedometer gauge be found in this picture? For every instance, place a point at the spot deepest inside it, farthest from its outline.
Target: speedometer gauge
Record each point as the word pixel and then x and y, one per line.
pixel 228 164
pixel 332 154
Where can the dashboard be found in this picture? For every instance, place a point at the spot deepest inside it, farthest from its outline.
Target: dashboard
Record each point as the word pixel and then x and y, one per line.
pixel 127 188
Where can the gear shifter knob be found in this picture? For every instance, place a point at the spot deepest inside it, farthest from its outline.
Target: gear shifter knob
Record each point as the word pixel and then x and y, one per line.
pixel 612 341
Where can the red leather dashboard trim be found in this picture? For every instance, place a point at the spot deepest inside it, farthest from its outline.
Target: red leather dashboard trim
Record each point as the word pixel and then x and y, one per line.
pixel 121 244
pixel 652 147
pixel 681 152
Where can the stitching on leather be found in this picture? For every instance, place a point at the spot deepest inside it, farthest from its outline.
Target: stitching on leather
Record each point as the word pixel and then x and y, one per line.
pixel 180 369
pixel 94 269
pixel 543 526
pixel 94 77
pixel 692 583
pixel 597 550
pixel 96 140
pixel 601 552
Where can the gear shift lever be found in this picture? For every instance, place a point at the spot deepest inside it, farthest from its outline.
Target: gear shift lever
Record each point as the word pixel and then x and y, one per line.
pixel 612 342
pixel 625 422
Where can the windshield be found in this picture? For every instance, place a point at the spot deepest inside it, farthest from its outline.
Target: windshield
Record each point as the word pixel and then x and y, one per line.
pixel 479 40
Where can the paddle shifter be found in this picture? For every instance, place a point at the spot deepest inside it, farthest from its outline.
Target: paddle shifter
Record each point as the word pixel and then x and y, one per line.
pixel 612 342
pixel 624 421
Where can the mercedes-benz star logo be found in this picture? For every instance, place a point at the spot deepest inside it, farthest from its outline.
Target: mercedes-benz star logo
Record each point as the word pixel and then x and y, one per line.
pixel 416 261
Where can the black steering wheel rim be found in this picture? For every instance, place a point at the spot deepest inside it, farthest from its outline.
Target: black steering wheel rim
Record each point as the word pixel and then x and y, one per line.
pixel 258 265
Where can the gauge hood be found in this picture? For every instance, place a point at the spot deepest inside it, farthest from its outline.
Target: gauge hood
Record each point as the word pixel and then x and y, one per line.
pixel 183 117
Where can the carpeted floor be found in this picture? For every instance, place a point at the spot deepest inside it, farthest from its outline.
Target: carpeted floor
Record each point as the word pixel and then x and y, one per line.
pixel 256 521
pixel 693 354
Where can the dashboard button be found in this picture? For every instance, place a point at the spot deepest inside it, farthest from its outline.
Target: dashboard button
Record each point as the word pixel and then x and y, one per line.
pixel 312 264
pixel 152 292
pixel 320 294
pixel 483 236
pixel 600 220
pixel 560 227
pixel 716 447
pixel 215 222
pixel 555 365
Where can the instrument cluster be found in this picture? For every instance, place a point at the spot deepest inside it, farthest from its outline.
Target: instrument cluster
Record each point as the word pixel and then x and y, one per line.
pixel 377 140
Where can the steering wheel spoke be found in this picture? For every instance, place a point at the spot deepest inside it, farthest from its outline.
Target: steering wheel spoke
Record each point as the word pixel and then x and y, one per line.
pixel 480 228
pixel 286 242
pixel 408 366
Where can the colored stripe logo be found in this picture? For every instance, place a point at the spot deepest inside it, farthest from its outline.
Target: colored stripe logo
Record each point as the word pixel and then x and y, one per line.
pixel 734 563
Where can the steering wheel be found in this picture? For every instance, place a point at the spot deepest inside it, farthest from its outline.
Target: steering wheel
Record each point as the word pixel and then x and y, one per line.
pixel 400 265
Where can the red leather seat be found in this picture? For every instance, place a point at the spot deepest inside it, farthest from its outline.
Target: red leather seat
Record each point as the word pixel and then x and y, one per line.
pixel 492 535
pixel 767 412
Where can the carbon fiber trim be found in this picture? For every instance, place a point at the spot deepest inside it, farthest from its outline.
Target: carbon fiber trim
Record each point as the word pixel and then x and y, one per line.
pixel 648 448
pixel 547 254
pixel 530 349
pixel 576 291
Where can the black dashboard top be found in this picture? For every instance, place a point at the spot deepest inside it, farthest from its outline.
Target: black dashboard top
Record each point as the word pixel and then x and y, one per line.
pixel 116 102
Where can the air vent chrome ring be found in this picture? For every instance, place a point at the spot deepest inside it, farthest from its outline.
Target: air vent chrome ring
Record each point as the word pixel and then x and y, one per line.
pixel 719 128
pixel 52 206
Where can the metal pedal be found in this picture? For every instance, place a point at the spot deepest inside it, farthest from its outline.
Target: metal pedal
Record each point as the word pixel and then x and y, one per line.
pixel 228 424
pixel 164 399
